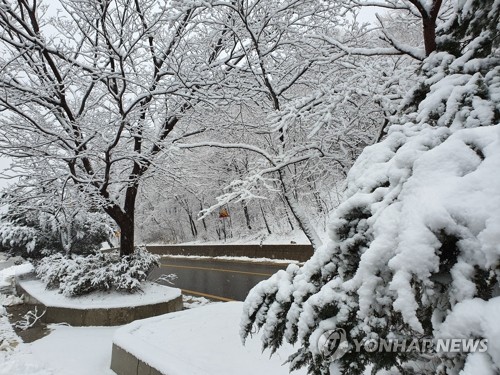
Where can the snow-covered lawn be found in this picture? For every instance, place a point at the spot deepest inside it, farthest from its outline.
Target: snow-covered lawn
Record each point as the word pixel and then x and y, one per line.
pixel 66 350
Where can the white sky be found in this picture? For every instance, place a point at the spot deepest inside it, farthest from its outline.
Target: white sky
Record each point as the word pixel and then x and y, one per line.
pixel 4 163
pixel 367 14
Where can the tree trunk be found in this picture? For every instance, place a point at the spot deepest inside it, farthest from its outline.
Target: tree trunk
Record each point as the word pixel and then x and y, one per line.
pixel 304 223
pixel 429 25
pixel 429 17
pixel 203 220
pixel 127 234
pixel 247 215
pixel 194 230
pixel 265 220
pixel 65 237
pixel 125 218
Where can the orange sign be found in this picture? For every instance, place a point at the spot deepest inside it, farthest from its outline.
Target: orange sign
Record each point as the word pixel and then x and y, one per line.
pixel 223 213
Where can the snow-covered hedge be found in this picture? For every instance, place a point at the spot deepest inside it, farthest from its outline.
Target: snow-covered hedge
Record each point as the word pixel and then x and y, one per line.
pixel 415 247
pixel 75 275
pixel 38 233
pixel 17 238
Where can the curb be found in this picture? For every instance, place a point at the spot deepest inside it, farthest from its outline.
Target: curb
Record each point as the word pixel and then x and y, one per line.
pixel 99 316
pixel 124 363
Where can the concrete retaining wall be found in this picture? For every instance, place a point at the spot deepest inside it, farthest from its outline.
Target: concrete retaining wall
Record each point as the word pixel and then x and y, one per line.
pixel 109 317
pixel 292 251
pixel 124 363
pixel 100 316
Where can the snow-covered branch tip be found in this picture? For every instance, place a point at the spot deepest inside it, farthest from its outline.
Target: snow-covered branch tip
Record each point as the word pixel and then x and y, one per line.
pixel 30 319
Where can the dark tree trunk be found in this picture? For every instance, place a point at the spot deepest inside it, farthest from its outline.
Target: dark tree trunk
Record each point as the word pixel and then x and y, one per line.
pixel 125 218
pixel 429 18
pixel 127 234
pixel 203 220
pixel 247 215
pixel 265 220
pixel 429 25
pixel 194 230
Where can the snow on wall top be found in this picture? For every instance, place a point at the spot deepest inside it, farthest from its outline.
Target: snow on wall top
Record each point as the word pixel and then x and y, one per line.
pixel 152 293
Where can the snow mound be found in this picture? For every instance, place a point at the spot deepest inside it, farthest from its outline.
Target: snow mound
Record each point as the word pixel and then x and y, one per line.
pixel 7 282
pixel 184 343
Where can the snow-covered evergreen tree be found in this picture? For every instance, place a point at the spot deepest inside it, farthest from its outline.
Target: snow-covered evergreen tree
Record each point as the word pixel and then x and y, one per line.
pixel 415 246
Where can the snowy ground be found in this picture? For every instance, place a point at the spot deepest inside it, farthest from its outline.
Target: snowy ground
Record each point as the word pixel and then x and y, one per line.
pixel 202 341
pixel 191 302
pixel 296 236
pixel 66 350
pixel 208 334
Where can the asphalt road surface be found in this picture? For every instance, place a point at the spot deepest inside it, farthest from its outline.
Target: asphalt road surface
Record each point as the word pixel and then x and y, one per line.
pixel 222 280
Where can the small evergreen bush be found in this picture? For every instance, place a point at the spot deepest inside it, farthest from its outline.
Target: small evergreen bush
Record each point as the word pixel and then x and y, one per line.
pixel 75 275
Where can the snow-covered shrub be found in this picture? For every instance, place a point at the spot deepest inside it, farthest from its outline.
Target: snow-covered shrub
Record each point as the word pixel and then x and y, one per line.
pixel 75 274
pixel 415 247
pixel 81 234
pixel 17 238
pixel 30 231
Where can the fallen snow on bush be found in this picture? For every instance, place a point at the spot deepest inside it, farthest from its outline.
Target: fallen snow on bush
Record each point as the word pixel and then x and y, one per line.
pixel 17 237
pixel 414 249
pixel 75 275
pixel 420 204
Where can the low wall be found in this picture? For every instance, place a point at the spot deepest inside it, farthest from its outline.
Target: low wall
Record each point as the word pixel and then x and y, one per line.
pixel 100 316
pixel 300 253
pixel 124 363
pixel 111 316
